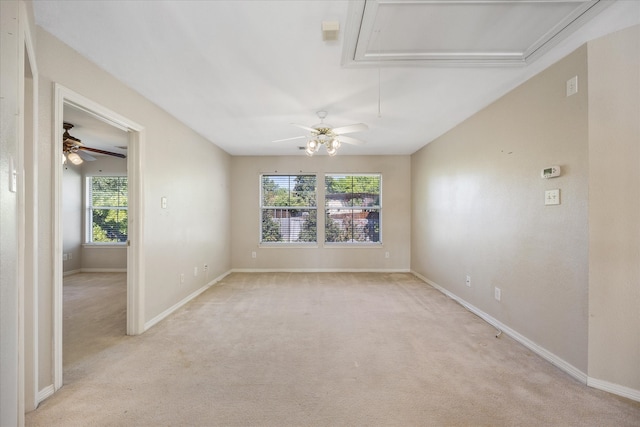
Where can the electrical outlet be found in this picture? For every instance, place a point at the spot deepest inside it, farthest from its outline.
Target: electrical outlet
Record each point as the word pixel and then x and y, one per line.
pixel 195 271
pixel 181 277
pixel 497 294
pixel 206 267
pixel 70 255
pixel 65 257
pixel 253 254
pixel 386 254
pixel 468 281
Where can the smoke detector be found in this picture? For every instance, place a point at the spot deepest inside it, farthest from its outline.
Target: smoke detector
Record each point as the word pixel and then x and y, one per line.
pixel 330 30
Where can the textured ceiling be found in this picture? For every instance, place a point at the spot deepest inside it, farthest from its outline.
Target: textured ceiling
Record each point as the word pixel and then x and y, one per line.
pixel 240 72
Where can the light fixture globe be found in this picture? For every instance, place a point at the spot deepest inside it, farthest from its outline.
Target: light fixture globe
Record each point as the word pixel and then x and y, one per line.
pixel 74 158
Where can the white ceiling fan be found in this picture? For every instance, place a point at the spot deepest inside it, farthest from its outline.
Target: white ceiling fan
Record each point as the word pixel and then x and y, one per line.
pixel 324 134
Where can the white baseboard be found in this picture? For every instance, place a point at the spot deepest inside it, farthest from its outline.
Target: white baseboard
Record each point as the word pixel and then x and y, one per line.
pixel 620 390
pixel 103 270
pixel 319 270
pixel 539 350
pixel 182 302
pixel 45 393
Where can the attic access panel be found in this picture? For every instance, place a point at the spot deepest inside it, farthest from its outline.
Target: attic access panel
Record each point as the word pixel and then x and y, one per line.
pixel 450 32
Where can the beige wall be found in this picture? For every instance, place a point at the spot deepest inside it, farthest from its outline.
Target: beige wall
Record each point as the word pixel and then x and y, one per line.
pixel 478 209
pixel 72 218
pixel 245 224
pixel 10 114
pixel 178 164
pixel 614 209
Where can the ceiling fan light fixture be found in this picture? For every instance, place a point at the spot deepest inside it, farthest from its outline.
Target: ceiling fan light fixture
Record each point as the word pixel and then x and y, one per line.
pixel 74 158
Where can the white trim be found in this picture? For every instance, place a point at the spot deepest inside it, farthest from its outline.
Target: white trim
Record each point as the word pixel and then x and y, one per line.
pixel 618 389
pixel 28 398
pixel 320 270
pixel 104 246
pixel 135 265
pixel 182 302
pixel 46 392
pixel 539 350
pixel 103 270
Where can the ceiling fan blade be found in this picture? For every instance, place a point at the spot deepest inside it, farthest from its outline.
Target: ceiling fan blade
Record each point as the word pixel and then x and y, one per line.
pixel 288 139
pixel 357 127
pixel 305 127
pixel 108 153
pixel 349 140
pixel 85 156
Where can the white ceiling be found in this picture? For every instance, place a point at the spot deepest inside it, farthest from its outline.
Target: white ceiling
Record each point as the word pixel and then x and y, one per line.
pixel 240 72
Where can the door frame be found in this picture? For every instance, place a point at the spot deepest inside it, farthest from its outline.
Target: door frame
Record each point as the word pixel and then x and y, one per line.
pixel 135 252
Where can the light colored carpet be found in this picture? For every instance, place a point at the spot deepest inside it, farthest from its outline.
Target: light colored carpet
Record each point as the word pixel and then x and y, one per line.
pixel 287 349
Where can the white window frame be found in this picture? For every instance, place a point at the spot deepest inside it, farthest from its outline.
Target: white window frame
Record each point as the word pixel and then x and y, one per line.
pixel 89 208
pixel 263 207
pixel 377 207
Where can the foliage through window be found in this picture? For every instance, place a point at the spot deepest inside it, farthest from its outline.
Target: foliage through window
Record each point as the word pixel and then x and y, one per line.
pixel 288 209
pixel 352 208
pixel 107 209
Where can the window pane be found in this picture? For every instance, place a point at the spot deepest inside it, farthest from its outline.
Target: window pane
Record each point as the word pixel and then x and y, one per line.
pixel 289 225
pixel 109 225
pixel 108 209
pixel 288 208
pixel 109 191
pixel 352 208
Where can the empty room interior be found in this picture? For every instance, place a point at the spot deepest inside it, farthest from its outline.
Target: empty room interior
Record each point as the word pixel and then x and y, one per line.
pixel 321 213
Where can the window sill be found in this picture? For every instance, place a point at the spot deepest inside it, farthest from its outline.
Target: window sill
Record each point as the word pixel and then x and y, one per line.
pixel 289 245
pixel 104 245
pixel 363 245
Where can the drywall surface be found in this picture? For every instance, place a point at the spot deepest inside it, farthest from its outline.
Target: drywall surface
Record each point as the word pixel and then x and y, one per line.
pixel 395 216
pixel 72 221
pixel 9 280
pixel 614 206
pixel 191 172
pixel 478 209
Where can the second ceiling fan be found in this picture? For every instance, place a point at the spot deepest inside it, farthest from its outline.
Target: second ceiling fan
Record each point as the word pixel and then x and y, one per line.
pixel 75 151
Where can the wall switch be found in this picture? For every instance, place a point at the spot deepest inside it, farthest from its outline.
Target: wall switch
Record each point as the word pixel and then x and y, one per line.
pixel 181 277
pixel 253 254
pixel 497 294
pixel 13 176
pixel 65 257
pixel 70 255
pixel 572 86
pixel 163 202
pixel 386 254
pixel 195 271
pixel 552 197
pixel 468 281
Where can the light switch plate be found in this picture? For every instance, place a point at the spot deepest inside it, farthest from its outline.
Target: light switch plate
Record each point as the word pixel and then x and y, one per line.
pixel 572 86
pixel 552 197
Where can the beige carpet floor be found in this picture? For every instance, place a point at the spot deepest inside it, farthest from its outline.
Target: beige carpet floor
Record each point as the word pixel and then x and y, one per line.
pixel 286 349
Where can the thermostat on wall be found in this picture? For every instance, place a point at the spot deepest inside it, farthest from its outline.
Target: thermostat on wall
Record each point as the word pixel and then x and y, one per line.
pixel 551 172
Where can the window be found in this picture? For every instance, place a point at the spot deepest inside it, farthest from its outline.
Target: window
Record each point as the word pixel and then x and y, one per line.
pixel 288 209
pixel 352 208
pixel 107 209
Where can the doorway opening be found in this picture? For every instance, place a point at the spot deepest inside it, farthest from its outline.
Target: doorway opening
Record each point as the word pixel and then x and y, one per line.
pixel 94 239
pixel 85 242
